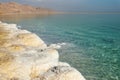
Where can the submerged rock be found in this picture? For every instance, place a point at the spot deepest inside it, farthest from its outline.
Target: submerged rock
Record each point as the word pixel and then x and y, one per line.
pixel 24 56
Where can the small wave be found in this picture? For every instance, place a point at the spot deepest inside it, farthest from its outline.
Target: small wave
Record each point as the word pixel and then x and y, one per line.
pixel 61 45
pixel 19 27
pixel 57 46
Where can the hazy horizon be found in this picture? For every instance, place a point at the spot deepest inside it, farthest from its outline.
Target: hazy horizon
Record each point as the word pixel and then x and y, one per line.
pixel 74 5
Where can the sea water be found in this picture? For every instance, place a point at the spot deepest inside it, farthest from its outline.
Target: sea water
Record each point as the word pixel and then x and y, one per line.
pixel 92 41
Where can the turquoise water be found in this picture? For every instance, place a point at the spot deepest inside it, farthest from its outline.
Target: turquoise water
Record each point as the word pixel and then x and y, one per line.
pixel 92 40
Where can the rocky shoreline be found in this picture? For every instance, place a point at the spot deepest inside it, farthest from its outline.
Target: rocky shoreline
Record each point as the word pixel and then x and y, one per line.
pixel 25 56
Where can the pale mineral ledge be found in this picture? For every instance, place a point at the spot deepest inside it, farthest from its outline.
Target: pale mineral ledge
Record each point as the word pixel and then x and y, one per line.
pixel 24 56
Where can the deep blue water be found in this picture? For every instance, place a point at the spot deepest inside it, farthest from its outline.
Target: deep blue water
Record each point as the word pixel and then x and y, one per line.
pixel 93 40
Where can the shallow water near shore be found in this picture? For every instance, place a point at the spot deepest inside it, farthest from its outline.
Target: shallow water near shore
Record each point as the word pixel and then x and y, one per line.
pixel 92 40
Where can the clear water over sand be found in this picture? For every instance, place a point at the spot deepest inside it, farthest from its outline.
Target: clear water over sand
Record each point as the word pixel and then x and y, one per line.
pixel 92 40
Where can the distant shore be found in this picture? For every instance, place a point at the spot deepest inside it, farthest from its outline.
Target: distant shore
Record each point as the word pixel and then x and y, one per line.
pixel 54 13
pixel 12 8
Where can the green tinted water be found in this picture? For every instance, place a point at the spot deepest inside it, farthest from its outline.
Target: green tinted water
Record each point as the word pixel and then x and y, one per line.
pixel 92 40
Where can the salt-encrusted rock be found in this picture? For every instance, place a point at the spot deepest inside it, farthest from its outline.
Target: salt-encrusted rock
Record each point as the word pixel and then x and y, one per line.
pixel 63 64
pixel 24 56
pixel 62 73
pixel 32 40
pixel 29 64
pixel 16 48
pixel 10 27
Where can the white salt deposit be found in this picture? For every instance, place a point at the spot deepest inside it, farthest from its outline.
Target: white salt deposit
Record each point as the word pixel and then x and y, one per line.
pixel 25 56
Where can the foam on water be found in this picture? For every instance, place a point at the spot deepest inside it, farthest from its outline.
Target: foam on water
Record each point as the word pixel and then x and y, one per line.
pixel 62 45
pixel 57 46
